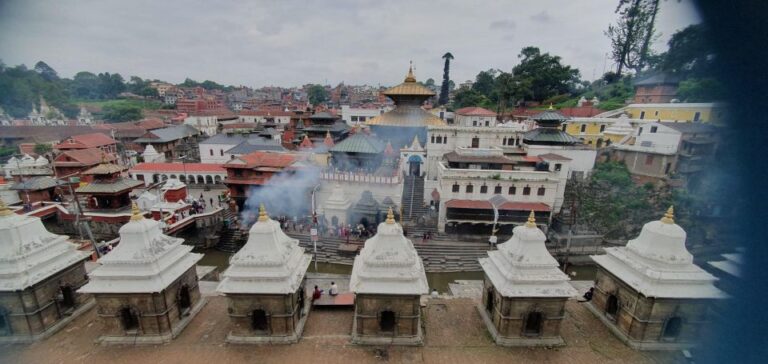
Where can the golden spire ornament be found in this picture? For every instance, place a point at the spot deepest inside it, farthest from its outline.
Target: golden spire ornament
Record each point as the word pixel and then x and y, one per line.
pixel 669 217
pixel 390 216
pixel 4 210
pixel 263 213
pixel 135 212
pixel 410 77
pixel 531 220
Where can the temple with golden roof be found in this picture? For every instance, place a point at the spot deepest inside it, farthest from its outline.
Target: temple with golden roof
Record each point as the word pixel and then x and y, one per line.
pixel 408 118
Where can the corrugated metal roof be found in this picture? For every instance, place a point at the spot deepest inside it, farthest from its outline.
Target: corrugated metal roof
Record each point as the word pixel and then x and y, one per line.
pixel 118 185
pixel 35 184
pixel 359 143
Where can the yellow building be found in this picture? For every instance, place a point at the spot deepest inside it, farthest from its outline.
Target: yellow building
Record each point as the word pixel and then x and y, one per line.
pixel 704 112
pixel 590 130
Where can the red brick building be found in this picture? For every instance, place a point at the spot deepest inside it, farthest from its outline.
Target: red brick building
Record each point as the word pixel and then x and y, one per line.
pixel 253 170
pixel 73 162
pixel 658 88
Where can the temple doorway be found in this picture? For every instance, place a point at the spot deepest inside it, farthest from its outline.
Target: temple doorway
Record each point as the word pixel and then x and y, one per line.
pixel 259 320
pixel 533 324
pixel 414 166
pixel 489 301
pixel 387 321
pixel 67 298
pixel 672 328
pixel 185 300
pixel 129 319
pixel 612 307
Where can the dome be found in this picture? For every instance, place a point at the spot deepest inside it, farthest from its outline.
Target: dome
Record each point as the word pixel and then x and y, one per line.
pixel 663 241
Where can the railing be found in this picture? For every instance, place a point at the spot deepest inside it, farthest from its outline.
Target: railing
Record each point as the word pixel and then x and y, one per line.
pixel 359 178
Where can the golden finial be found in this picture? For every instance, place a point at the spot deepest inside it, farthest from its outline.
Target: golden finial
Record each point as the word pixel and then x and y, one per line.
pixel 263 213
pixel 669 217
pixel 135 212
pixel 410 77
pixel 390 216
pixel 551 107
pixel 531 220
pixel 4 210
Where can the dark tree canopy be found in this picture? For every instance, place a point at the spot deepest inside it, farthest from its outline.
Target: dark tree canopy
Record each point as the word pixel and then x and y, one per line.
pixel 689 53
pixel 541 75
pixel 317 94
pixel 445 88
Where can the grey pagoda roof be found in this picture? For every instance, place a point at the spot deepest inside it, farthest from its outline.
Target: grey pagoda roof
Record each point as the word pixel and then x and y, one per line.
pixel 226 139
pixel 550 115
pixel 360 143
pixel 549 136
pixel 659 78
pixel 254 144
pixel 35 184
pixel 170 134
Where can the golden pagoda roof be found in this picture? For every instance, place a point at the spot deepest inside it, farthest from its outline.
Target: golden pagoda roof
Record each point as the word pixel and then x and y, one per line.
pixel 409 87
pixel 406 116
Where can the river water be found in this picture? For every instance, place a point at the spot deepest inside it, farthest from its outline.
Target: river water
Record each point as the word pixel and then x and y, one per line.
pixel 436 280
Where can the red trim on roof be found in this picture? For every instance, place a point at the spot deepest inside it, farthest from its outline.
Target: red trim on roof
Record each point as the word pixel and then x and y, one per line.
pixel 179 167
pixel 486 205
pixel 475 111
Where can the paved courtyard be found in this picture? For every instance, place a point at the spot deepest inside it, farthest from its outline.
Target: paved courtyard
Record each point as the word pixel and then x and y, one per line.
pixel 453 328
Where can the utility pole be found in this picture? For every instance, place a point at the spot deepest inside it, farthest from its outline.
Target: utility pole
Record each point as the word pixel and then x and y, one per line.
pixel 78 216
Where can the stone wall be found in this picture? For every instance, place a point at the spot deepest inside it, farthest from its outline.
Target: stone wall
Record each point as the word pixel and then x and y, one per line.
pixel 283 313
pixel 38 308
pixel 368 309
pixel 643 319
pixel 509 314
pixel 157 313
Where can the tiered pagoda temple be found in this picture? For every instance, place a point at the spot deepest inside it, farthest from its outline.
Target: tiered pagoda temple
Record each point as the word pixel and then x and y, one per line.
pixel 388 280
pixel 109 190
pixel 650 294
pixel 40 273
pixel 146 289
pixel 524 293
pixel 549 130
pixel 265 286
pixel 408 118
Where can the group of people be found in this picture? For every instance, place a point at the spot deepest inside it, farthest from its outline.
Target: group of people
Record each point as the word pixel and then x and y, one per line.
pixel 318 293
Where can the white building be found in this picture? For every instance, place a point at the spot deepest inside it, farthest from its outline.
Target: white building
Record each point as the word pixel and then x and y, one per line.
pixel 269 267
pixel 475 116
pixel 358 115
pixel 207 124
pixel 221 148
pixel 280 118
pixel 388 279
pixel 523 280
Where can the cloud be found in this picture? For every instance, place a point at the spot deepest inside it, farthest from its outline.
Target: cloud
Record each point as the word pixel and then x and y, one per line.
pixel 541 17
pixel 290 43
pixel 503 24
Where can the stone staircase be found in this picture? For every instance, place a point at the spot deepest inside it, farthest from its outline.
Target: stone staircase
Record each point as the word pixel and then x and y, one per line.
pixel 230 239
pixel 437 255
pixel 413 199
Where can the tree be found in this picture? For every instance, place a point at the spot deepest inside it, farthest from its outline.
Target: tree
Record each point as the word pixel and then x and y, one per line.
pixel 46 72
pixel 689 53
pixel 85 85
pixel 41 149
pixel 541 75
pixel 121 112
pixel 445 87
pixel 469 97
pixel 632 34
pixel 485 82
pixel 701 90
pixel 430 82
pixel 110 85
pixel 317 94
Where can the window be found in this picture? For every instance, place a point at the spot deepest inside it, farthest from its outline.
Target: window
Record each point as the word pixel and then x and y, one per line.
pixel 445 140
pixel 612 307
pixel 362 119
pixel 475 142
pixel 211 151
pixel 648 160
pixel 497 190
pixel 432 139
pixel 470 188
pixel 541 191
pixel 654 129
pixel 474 122
pixel 487 123
pixel 642 115
pixel 455 187
pixel 602 128
pixel 221 152
pixel 483 189
pixel 526 191
pixel 504 141
pixel 440 139
pixel 558 166
pixel 583 128
pixel 639 131
pixel 656 113
pixel 512 190
pixel 696 116
pixel 354 118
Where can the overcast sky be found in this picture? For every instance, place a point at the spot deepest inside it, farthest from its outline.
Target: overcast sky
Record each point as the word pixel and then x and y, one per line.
pixel 289 43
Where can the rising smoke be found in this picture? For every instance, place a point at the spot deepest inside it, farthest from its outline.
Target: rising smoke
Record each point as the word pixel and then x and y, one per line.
pixel 286 194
